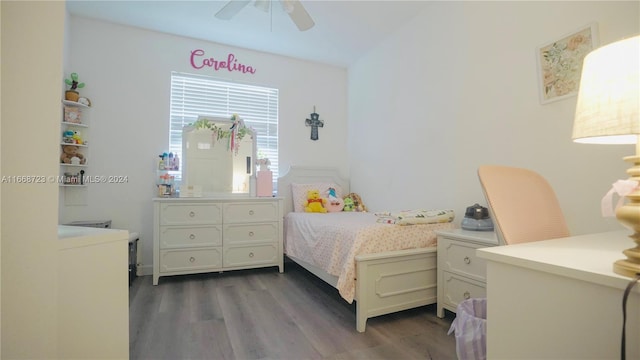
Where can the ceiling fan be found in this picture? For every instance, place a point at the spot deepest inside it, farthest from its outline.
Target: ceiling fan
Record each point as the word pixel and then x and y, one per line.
pixel 294 8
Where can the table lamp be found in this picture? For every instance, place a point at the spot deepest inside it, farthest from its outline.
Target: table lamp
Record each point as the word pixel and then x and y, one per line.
pixel 607 113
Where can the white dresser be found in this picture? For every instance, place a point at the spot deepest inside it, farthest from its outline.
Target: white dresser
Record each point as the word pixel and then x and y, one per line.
pixel 560 299
pixel 198 235
pixel 461 275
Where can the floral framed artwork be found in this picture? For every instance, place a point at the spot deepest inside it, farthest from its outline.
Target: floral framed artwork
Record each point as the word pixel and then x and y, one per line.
pixel 560 63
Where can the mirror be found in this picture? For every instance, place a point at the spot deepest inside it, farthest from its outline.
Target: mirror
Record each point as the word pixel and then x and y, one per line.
pixel 218 156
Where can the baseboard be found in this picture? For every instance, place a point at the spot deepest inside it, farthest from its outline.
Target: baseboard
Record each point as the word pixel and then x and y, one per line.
pixel 144 270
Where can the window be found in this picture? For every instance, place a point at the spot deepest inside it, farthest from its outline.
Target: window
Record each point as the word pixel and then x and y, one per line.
pixel 194 95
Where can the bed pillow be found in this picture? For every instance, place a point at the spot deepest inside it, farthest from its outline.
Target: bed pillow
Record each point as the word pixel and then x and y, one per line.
pixel 299 193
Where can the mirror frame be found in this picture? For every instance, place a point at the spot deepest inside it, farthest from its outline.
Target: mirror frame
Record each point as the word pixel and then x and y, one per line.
pixel 253 162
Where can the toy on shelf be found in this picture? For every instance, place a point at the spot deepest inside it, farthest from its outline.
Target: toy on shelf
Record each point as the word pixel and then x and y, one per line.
pixel 73 137
pixel 71 155
pixel 67 137
pixel 72 94
pixel 77 137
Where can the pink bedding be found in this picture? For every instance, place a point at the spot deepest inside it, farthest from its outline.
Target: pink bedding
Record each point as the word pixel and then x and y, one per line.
pixel 331 241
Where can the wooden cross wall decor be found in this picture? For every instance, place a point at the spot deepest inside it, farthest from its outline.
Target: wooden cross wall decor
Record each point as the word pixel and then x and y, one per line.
pixel 314 122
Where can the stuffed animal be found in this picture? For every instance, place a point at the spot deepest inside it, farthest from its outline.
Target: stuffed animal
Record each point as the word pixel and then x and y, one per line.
pixel 67 137
pixel 69 152
pixel 314 202
pixel 77 137
pixel 334 203
pixel 358 205
pixel 348 204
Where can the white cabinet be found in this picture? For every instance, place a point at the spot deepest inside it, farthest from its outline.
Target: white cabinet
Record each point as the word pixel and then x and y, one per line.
pixel 461 274
pixel 197 235
pixel 93 293
pixel 560 299
pixel 74 136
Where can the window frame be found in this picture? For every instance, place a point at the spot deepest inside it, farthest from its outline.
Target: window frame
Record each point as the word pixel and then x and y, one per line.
pixel 193 95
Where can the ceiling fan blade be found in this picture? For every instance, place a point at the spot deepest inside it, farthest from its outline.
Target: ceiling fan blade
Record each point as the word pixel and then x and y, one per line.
pixel 298 14
pixel 231 9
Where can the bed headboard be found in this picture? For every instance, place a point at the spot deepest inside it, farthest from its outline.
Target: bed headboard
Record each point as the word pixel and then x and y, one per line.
pixel 306 175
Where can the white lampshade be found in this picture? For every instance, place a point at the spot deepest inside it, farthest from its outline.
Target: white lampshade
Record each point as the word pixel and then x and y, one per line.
pixel 608 107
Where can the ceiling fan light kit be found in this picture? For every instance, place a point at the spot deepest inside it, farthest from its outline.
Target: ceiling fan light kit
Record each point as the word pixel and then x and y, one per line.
pixel 293 8
pixel 263 5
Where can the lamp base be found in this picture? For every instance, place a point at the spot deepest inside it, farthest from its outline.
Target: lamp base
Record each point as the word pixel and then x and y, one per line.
pixel 630 266
pixel 626 268
pixel 629 215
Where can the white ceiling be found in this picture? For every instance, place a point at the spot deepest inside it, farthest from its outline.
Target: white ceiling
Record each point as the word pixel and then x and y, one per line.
pixel 344 30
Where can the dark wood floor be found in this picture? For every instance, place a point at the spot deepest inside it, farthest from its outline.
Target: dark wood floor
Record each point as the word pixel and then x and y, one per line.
pixel 262 314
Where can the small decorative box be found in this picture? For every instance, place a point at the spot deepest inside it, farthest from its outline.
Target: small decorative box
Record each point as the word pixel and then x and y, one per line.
pixel 72 114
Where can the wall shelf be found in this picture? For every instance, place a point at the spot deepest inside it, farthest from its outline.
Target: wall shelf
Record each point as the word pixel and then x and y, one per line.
pixel 74 124
pixel 76 104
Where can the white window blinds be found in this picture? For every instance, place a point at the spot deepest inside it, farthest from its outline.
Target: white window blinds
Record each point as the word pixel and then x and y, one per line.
pixel 195 95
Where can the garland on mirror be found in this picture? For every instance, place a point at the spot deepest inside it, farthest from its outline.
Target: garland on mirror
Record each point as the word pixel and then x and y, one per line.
pixel 234 134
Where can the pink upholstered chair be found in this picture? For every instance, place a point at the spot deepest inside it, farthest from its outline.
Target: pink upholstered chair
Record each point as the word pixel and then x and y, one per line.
pixel 522 204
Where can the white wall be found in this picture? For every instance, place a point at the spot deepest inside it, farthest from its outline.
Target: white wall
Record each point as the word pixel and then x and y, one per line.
pixel 456 88
pixel 32 53
pixel 127 75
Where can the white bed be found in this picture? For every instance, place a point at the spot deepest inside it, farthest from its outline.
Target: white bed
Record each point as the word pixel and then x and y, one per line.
pixel 384 282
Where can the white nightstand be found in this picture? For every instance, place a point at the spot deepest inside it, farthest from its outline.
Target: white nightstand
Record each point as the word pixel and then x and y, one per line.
pixel 461 274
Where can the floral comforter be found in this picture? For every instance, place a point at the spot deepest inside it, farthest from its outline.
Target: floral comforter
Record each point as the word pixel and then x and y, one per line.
pixel 331 241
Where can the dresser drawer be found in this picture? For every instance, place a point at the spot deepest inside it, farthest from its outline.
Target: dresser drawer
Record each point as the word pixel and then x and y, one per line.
pixel 237 256
pixel 250 233
pixel 190 259
pixel 192 213
pixel 461 258
pixel 458 289
pixel 190 236
pixel 250 212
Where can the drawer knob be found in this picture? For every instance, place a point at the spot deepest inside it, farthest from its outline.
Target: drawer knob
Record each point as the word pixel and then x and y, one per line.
pixel 466 295
pixel 192 259
pixel 250 233
pixel 192 236
pixel 250 254
pixel 250 212
pixel 467 260
pixel 192 214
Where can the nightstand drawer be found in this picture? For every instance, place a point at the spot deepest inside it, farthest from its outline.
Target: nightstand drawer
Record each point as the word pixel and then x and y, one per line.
pixel 187 214
pixel 461 258
pixel 458 289
pixel 190 236
pixel 250 233
pixel 237 256
pixel 250 212
pixel 191 259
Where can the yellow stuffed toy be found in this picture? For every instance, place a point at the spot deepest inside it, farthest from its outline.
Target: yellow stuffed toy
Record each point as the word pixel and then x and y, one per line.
pixel 314 202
